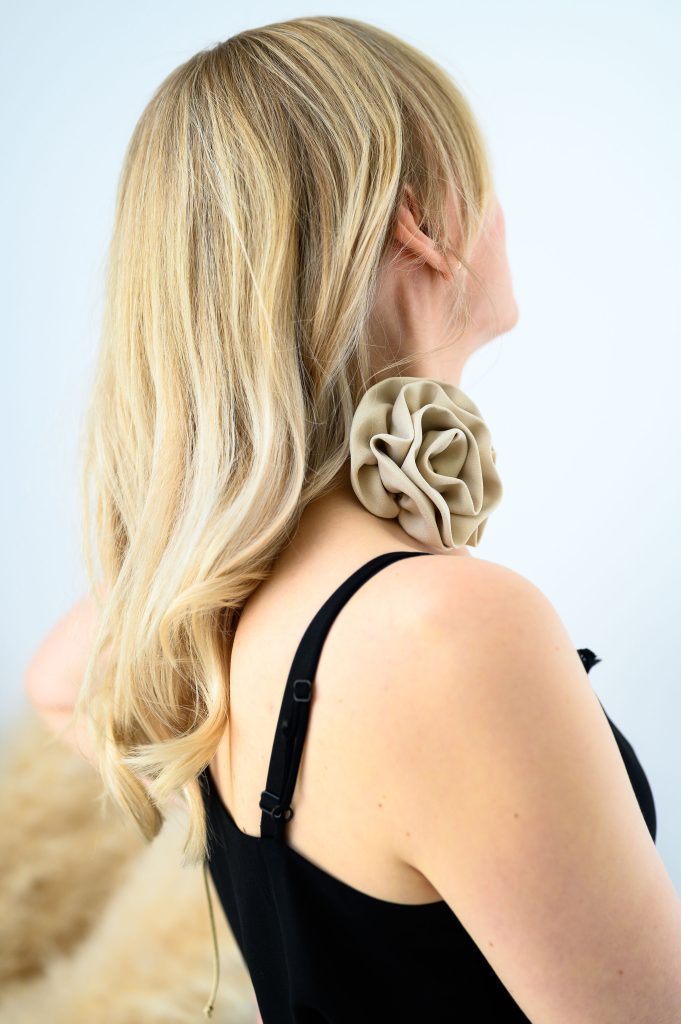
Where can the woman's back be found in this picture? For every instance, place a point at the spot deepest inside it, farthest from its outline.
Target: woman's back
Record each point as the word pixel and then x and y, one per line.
pixel 340 783
pixel 349 842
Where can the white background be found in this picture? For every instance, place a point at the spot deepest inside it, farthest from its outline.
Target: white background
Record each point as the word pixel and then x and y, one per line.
pixel 580 105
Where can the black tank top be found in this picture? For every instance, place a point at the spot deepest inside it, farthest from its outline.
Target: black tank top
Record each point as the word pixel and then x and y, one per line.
pixel 319 951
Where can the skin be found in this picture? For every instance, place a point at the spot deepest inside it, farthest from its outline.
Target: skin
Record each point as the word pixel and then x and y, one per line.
pixel 413 300
pixel 603 946
pixel 410 309
pixel 409 317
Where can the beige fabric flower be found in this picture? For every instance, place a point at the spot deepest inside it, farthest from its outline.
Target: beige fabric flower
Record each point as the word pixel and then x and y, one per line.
pixel 421 452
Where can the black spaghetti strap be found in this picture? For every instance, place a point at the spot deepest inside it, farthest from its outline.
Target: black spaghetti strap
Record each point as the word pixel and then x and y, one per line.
pixel 295 706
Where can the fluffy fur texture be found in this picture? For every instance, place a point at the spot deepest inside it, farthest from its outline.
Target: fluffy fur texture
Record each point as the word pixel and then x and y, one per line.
pixel 97 925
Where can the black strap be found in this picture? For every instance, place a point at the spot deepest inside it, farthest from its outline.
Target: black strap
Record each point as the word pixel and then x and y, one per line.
pixel 589 659
pixel 295 706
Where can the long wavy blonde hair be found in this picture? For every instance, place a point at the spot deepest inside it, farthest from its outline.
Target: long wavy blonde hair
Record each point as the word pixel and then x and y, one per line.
pixel 254 209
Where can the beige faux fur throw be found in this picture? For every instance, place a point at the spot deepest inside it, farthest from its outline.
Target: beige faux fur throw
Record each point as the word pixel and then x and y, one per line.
pixel 96 925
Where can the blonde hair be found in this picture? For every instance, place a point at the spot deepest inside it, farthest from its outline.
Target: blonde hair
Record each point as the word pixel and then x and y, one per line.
pixel 255 205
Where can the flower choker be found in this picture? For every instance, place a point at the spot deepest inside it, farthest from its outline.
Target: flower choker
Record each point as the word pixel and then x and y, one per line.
pixel 421 452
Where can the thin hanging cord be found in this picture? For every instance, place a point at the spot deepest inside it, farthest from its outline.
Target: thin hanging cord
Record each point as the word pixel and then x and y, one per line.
pixel 210 1005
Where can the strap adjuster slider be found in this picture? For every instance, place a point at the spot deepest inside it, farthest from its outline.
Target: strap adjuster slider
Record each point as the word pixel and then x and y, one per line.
pixel 304 695
pixel 270 803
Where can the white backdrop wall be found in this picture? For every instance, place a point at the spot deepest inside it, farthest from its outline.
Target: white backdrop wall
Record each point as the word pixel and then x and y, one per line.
pixel 579 103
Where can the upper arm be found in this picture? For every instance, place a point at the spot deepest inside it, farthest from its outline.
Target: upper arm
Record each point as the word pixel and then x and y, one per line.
pixel 53 676
pixel 55 672
pixel 56 669
pixel 519 811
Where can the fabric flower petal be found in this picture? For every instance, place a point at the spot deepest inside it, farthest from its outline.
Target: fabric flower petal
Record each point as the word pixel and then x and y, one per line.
pixel 421 452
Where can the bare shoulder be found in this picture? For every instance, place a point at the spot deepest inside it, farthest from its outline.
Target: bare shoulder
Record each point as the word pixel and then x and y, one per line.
pixel 432 582
pixel 491 613
pixel 423 602
pixel 416 612
pixel 480 580
pixel 512 798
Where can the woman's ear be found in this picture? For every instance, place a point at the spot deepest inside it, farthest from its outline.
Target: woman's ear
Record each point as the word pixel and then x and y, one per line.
pixel 411 238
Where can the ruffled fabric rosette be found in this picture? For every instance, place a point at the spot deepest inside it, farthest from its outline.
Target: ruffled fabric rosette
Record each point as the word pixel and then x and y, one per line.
pixel 421 452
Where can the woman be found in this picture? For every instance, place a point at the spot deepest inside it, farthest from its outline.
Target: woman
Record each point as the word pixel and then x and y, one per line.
pixel 410 800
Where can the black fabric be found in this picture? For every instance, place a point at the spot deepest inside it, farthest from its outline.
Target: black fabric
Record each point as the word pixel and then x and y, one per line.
pixel 318 950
